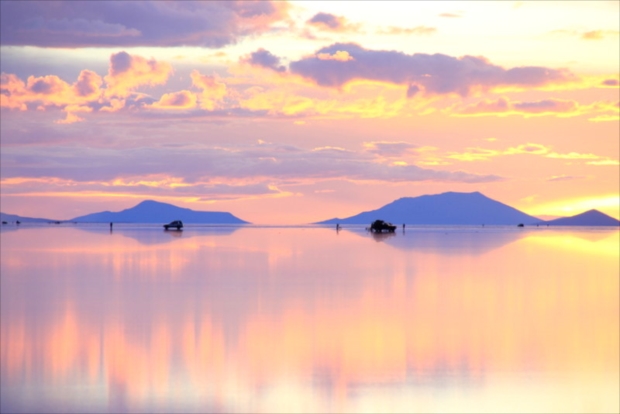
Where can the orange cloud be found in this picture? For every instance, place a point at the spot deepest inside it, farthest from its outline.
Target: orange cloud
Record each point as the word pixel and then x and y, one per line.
pixel 340 55
pixel 176 100
pixel 213 90
pixel 128 72
pixel 418 30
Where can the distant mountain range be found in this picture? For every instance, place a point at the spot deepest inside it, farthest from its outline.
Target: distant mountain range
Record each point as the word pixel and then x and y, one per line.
pixel 454 208
pixel 150 211
pixel 449 208
pixel 589 218
pixel 13 218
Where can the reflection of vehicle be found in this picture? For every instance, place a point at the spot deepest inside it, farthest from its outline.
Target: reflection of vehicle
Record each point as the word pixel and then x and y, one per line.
pixel 177 223
pixel 379 226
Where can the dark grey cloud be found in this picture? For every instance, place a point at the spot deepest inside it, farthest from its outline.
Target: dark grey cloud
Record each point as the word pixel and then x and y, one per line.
pixel 435 74
pixel 265 59
pixel 134 23
pixel 610 82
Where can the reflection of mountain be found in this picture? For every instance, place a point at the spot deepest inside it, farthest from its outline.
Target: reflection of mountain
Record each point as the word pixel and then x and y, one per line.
pixel 589 218
pixel 450 241
pixel 448 208
pixel 156 235
pixel 155 212
pixel 274 315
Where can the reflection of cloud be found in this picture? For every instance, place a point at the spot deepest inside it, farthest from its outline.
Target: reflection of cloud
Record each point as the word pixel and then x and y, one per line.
pixel 407 321
pixel 144 23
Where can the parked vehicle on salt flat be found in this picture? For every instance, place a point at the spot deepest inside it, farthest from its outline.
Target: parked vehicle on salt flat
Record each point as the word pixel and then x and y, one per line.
pixel 178 224
pixel 379 226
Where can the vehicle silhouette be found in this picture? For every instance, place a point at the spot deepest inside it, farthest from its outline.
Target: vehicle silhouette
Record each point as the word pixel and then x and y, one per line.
pixel 177 223
pixel 379 226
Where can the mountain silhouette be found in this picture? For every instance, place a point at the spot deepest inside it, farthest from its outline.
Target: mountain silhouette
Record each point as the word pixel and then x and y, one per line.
pixel 589 218
pixel 150 211
pixel 449 208
pixel 15 217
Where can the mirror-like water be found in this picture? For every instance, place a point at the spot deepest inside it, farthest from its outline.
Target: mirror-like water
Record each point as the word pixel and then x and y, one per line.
pixel 308 319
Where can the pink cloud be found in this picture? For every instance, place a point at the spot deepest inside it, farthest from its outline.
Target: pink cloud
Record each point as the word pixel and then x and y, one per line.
pixel 135 23
pixel 176 100
pixel 434 74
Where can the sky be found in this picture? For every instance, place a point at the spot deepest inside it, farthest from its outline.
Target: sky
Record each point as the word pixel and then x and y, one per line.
pixel 296 112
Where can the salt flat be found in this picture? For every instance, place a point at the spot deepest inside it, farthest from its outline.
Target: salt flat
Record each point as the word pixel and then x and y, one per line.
pixel 307 319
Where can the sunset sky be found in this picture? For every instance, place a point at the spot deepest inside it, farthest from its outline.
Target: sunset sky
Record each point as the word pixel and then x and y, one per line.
pixel 295 112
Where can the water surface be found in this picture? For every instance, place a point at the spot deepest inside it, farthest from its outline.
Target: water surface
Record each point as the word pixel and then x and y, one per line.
pixel 307 319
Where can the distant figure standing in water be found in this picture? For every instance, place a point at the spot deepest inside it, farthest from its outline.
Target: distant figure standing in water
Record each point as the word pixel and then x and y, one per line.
pixel 337 226
pixel 110 226
pixel 403 226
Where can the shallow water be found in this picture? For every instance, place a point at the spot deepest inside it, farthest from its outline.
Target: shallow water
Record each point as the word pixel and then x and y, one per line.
pixel 305 319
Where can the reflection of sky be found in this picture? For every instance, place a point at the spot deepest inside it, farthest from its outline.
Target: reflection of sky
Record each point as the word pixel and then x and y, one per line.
pixel 305 319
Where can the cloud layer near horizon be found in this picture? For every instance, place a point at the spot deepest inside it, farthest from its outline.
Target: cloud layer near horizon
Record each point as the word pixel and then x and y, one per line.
pixel 135 23
pixel 201 167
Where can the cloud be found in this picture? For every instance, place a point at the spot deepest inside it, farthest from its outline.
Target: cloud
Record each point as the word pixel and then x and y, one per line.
pixel 610 82
pixel 604 162
pixel 451 15
pixel 135 23
pixel 587 34
pixel 340 56
pixel 260 163
pixel 482 154
pixel 598 34
pixel 265 59
pixel 565 178
pixel 176 100
pixel 399 31
pixel 389 149
pixel 128 72
pixel 554 107
pixel 434 74
pixel 213 91
pixel 142 185
pixel 330 22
